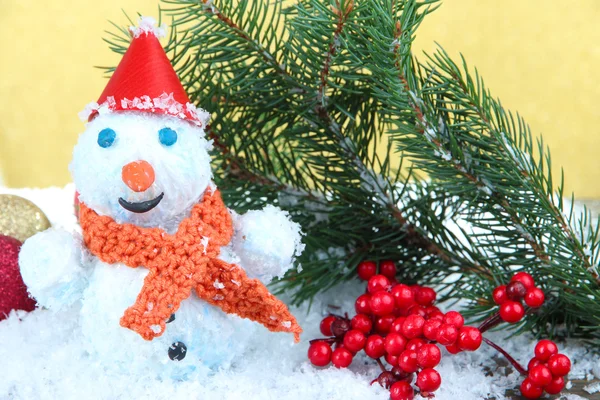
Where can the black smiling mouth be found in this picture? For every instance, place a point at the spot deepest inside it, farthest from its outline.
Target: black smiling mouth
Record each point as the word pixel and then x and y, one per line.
pixel 142 206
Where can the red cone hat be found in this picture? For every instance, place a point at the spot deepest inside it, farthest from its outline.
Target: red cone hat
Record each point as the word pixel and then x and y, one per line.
pixel 145 81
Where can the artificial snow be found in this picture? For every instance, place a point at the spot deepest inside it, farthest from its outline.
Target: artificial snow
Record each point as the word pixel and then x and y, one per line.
pixel 46 355
pixel 148 25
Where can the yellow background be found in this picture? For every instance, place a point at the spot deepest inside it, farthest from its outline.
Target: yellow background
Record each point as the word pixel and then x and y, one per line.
pixel 541 58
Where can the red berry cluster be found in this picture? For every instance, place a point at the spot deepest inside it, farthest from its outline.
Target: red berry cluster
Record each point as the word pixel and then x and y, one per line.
pixel 400 324
pixel 546 371
pixel 509 297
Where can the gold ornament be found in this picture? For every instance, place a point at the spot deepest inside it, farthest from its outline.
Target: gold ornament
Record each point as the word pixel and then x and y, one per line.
pixel 20 218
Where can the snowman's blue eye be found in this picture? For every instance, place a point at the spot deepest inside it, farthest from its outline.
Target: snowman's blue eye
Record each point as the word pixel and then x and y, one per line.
pixel 106 137
pixel 167 136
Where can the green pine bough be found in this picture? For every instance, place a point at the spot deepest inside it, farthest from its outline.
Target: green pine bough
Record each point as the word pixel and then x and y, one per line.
pixel 314 106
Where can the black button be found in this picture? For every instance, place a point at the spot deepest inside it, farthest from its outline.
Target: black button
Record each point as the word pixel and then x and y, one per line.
pixel 177 351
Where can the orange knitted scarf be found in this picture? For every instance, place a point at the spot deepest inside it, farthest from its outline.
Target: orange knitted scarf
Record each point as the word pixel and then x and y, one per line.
pixel 177 263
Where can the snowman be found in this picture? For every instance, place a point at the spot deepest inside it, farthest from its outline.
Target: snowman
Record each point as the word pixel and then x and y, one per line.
pixel 163 277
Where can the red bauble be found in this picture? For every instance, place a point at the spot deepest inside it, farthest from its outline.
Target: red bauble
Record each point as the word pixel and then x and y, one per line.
pixel 319 353
pixel 429 380
pixel 13 292
pixel 366 270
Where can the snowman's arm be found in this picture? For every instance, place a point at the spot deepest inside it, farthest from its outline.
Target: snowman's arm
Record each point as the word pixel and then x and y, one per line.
pixel 267 242
pixel 51 264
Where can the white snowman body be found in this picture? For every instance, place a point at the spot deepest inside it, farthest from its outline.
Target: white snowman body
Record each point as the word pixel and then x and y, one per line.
pixel 59 271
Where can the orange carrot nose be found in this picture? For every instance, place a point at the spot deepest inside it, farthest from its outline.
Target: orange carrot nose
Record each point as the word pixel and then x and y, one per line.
pixel 138 175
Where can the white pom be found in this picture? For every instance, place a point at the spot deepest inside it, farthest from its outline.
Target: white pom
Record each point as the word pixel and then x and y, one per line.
pixel 148 25
pixel 267 242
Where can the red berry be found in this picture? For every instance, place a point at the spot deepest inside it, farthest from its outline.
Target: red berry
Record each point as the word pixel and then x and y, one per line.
pixel 385 379
pixel 524 278
pixel 417 309
pixel 366 270
pixel 415 289
pixel 375 346
pixel 408 361
pixel 395 344
pixel 402 391
pixel 511 311
pixel 387 268
pixel 447 334
pixel 384 324
pixel 533 362
pixel 429 355
pixel 413 326
pixel 326 325
pixel 434 313
pixel 453 348
pixel 425 296
pixel 392 360
pixel 454 318
pixel 545 349
pixel 403 295
pixel 340 326
pixel 362 323
pixel 431 328
pixel 354 340
pixel 535 297
pixel 559 365
pixel 378 283
pixel 469 338
pixel 319 353
pixel 531 391
pixel 556 386
pixel 363 304
pixel 540 375
pixel 397 325
pixel 415 344
pixel 499 294
pixel 341 357
pixel 429 380
pixel 515 291
pixel 382 303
